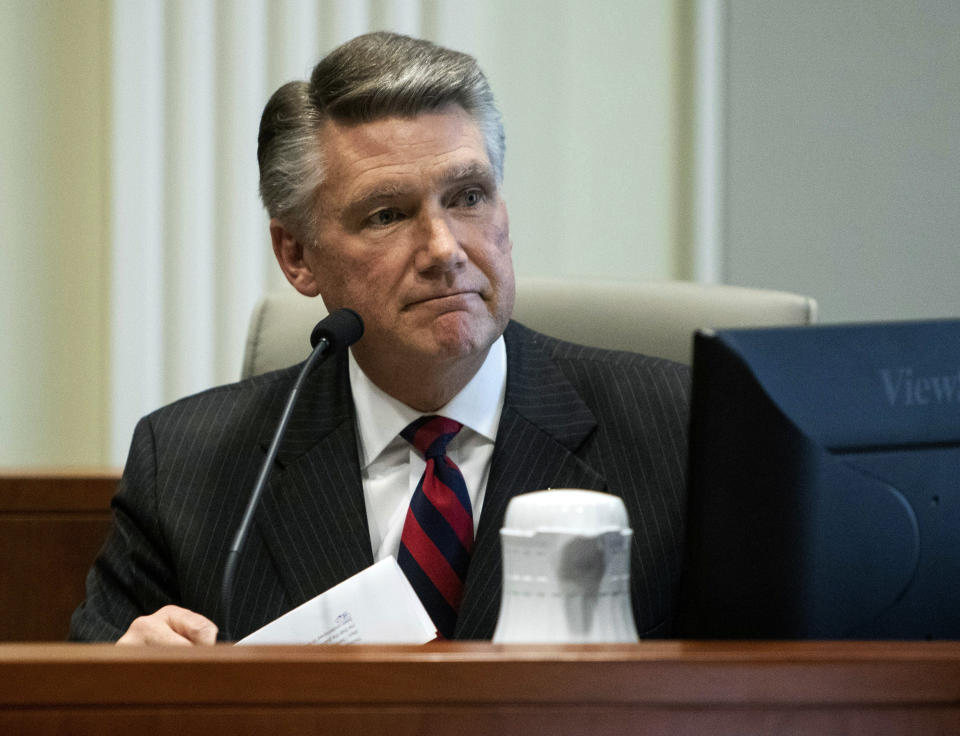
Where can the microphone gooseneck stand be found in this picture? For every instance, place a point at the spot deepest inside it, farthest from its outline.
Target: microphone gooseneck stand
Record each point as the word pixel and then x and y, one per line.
pixel 335 332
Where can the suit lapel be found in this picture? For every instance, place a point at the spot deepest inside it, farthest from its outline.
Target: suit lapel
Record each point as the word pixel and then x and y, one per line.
pixel 312 516
pixel 544 422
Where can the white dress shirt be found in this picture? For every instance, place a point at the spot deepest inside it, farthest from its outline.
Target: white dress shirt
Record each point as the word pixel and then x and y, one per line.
pixel 391 468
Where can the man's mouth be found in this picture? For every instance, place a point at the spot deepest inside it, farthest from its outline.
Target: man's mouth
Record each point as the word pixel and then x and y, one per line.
pixel 452 299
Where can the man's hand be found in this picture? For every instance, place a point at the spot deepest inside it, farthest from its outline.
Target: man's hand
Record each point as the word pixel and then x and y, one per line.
pixel 172 626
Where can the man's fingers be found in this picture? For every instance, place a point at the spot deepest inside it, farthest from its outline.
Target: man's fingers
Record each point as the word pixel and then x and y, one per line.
pixel 171 626
pixel 192 626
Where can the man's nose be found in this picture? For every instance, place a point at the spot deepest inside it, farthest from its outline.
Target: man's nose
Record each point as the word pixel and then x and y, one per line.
pixel 438 246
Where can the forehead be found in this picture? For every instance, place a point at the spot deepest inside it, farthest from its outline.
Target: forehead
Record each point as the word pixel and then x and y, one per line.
pixel 427 145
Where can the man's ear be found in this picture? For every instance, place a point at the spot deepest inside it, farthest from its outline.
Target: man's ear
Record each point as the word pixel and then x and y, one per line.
pixel 289 252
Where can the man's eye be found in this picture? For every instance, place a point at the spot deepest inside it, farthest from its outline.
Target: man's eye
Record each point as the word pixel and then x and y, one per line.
pixel 470 198
pixel 382 218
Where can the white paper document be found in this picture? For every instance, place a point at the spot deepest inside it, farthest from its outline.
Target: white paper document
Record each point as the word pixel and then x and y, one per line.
pixel 375 606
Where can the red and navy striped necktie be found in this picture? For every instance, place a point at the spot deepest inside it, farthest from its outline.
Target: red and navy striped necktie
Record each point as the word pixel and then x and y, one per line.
pixel 437 536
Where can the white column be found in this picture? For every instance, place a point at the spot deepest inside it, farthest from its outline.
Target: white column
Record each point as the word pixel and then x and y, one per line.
pixel 190 131
pixel 401 16
pixel 241 246
pixel 137 280
pixel 293 36
pixel 346 18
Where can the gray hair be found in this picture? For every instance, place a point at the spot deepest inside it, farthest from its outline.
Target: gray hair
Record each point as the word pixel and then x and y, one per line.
pixel 374 76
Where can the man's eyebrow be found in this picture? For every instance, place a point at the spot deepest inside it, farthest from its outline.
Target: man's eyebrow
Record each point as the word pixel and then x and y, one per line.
pixel 471 170
pixel 382 190
pixel 378 192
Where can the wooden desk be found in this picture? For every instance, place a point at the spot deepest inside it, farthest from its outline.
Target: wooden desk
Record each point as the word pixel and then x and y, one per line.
pixel 52 523
pixel 671 688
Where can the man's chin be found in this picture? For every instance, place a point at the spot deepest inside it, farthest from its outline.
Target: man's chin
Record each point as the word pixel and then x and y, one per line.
pixel 455 336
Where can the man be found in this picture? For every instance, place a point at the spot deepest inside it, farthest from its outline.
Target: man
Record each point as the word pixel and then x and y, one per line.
pixel 382 180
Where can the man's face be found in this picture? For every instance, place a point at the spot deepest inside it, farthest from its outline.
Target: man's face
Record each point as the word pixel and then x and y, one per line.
pixel 414 236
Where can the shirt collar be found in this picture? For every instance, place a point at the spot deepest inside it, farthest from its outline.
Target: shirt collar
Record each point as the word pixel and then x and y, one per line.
pixel 381 417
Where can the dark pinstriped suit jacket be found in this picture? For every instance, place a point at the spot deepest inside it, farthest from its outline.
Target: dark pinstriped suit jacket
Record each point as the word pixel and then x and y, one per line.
pixel 574 417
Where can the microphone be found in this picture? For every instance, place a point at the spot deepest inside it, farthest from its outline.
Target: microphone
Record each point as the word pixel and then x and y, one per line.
pixel 335 332
pixel 340 329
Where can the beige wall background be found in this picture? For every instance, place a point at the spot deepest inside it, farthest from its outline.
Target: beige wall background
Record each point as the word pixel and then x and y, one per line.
pixel 54 100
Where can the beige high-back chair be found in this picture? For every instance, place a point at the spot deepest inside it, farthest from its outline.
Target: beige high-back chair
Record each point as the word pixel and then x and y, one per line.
pixel 653 318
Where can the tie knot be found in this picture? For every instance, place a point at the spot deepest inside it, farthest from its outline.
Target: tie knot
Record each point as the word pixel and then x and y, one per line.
pixel 431 434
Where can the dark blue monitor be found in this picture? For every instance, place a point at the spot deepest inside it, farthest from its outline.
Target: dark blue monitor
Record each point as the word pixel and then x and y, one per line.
pixel 824 487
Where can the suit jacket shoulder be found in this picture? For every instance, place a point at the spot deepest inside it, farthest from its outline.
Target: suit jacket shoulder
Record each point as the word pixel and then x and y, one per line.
pixel 189 472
